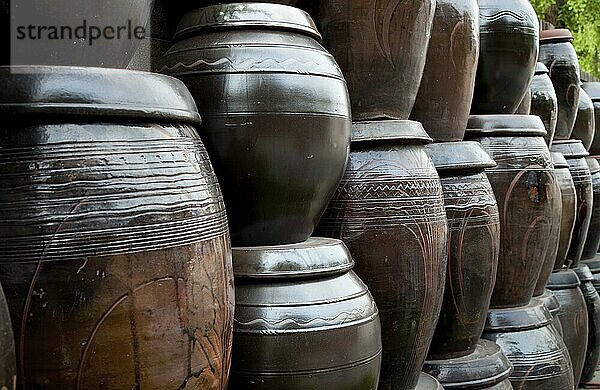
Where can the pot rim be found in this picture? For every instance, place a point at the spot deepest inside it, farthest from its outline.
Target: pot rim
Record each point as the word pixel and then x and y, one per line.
pixel 67 92
pixel 532 316
pixel 549 299
pixel 571 149
pixel 559 160
pixel 593 164
pixel 540 69
pixel 592 88
pixel 452 156
pixel 555 35
pixel 247 16
pixel 584 273
pixel 563 280
pixel 505 125
pixel 388 130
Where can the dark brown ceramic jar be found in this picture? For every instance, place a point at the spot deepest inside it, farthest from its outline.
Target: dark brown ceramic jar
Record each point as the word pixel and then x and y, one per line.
pixel 473 245
pixel 446 92
pixel 593 90
pixel 575 153
pixel 592 242
pixel 585 122
pixel 594 266
pixel 389 210
pixel 485 368
pixel 525 106
pixel 551 303
pixel 528 201
pixel 543 100
pixel 569 207
pixel 276 115
pixel 381 47
pixel 558 54
pixel 8 368
pixel 592 301
pixel 539 356
pixel 115 256
pixel 303 319
pixel 509 44
pixel 573 316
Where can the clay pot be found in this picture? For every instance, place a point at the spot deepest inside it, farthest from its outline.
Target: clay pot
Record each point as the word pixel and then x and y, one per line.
pixel 303 319
pixel 585 122
pixel 427 382
pixel 115 255
pixel 528 200
pixel 558 54
pixel 594 266
pixel 485 368
pixel 8 368
pixel 381 48
pixel 509 44
pixel 279 141
pixel 446 92
pixel 525 106
pixel 539 356
pixel 573 316
pixel 544 102
pixel 553 306
pixel 592 242
pixel 473 245
pixel 575 153
pixel 389 210
pixel 593 90
pixel 569 207
pixel 592 301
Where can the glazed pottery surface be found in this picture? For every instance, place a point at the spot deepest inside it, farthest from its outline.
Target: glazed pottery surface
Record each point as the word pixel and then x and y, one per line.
pixel 8 368
pixel 585 122
pixel 539 357
pixel 553 306
pixel 473 245
pixel 592 242
pixel 303 319
pixel 509 44
pixel 528 201
pixel 593 90
pixel 446 92
pixel 559 56
pixel 427 382
pixel 594 266
pixel 575 153
pixel 525 106
pixel 389 210
pixel 485 368
pixel 569 207
pixel 573 317
pixel 592 301
pixel 381 47
pixel 115 256
pixel 544 102
pixel 280 140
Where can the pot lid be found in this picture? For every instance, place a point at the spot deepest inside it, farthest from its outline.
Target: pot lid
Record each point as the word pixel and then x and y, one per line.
pixel 316 256
pixel 448 156
pixel 532 316
pixel 584 273
pixel 570 149
pixel 593 164
pixel 559 160
pixel 389 130
pixel 484 368
pixel 540 69
pixel 592 89
pixel 563 280
pixel 81 92
pixel 555 35
pixel 427 382
pixel 550 301
pixel 508 125
pixel 247 16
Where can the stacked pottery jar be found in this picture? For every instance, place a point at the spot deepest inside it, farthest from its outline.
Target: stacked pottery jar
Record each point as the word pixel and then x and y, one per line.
pixel 277 127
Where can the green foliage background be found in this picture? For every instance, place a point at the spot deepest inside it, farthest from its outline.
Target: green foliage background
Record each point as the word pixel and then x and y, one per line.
pixel 582 17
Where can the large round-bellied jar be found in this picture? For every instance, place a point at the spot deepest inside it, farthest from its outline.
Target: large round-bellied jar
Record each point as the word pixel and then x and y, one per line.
pixel 8 368
pixel 551 303
pixel 115 254
pixel 528 201
pixel 381 47
pixel 446 92
pixel 592 301
pixel 573 316
pixel 303 319
pixel 276 115
pixel 569 207
pixel 575 154
pixel 585 122
pixel 473 246
pixel 592 242
pixel 544 102
pixel 509 44
pixel 485 368
pixel 389 210
pixel 593 90
pixel 559 56
pixel 539 356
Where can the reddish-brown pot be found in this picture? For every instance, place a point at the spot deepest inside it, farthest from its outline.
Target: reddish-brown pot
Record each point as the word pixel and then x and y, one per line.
pixel 568 195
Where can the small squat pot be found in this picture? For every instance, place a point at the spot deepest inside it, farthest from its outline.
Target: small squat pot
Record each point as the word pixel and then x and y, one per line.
pixel 559 56
pixel 592 301
pixel 585 122
pixel 569 207
pixel 544 102
pixel 553 305
pixel 593 90
pixel 573 317
pixel 539 356
pixel 592 242
pixel 575 154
